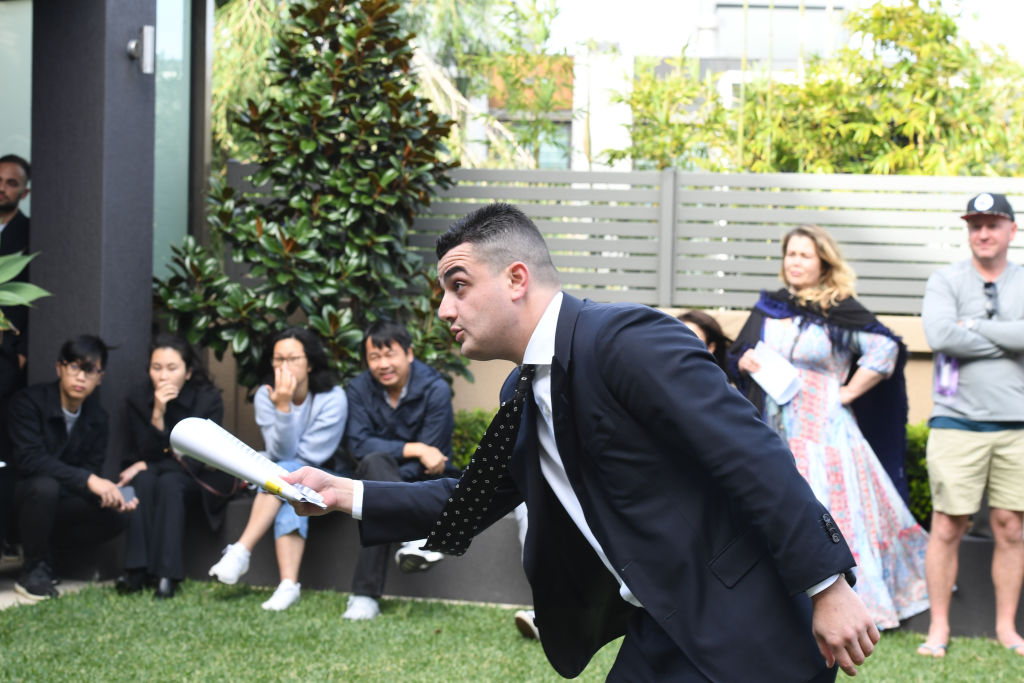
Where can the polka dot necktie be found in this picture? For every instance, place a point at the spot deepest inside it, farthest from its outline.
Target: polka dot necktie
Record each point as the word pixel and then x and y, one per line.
pixel 463 513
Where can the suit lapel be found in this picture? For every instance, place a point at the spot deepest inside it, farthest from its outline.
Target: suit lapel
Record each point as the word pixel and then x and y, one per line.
pixel 561 393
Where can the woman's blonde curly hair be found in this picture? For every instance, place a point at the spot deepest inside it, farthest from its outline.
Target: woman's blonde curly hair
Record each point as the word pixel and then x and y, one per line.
pixel 837 278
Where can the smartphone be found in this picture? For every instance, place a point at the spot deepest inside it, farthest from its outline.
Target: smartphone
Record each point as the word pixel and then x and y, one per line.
pixel 128 493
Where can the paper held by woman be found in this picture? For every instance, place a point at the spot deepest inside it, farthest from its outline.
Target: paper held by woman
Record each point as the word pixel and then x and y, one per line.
pixel 777 376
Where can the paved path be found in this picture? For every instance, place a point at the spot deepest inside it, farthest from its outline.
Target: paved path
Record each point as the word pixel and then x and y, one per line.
pixel 9 574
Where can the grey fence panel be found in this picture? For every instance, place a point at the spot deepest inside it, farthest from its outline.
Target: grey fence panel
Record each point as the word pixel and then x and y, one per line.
pixel 714 240
pixel 605 230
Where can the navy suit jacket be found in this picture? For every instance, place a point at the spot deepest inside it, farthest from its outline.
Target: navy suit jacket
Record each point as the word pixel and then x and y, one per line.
pixel 696 502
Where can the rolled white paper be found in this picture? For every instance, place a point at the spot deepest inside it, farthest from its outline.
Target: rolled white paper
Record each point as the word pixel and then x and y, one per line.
pixel 207 441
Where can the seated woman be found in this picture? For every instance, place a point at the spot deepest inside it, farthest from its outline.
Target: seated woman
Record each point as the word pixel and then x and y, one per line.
pixel 166 484
pixel 710 332
pixel 302 417
pixel 849 449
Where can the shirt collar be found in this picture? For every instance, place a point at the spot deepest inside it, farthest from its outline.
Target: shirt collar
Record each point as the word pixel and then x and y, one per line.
pixel 402 394
pixel 541 347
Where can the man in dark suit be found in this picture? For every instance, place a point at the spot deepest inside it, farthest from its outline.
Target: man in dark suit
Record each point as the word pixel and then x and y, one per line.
pixel 14 187
pixel 660 506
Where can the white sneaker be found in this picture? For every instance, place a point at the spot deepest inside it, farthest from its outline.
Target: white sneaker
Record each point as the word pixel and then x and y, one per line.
pixel 410 558
pixel 526 625
pixel 233 563
pixel 285 596
pixel 361 607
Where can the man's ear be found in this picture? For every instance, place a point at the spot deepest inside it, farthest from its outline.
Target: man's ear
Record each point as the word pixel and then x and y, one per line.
pixel 518 279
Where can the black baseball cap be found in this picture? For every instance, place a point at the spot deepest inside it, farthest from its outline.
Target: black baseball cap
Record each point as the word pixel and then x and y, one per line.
pixel 988 203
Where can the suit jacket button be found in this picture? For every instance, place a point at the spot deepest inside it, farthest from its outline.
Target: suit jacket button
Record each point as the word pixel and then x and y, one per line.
pixel 826 518
pixel 835 538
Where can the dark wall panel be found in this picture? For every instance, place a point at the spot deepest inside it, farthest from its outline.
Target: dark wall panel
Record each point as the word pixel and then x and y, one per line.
pixel 92 218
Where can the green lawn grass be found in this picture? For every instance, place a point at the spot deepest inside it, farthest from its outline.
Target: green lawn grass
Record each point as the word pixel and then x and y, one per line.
pixel 213 632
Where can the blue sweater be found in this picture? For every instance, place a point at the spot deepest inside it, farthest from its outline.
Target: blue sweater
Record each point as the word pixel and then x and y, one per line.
pixel 310 433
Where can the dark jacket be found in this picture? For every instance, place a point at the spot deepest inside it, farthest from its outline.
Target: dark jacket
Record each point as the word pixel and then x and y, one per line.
pixel 146 442
pixel 42 444
pixel 14 239
pixel 423 415
pixel 696 502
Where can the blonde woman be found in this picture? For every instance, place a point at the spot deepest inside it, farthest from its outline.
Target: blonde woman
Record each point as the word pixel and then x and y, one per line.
pixel 850 450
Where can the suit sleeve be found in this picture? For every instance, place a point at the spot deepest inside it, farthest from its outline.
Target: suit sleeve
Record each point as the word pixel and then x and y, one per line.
pixel 679 396
pixel 402 511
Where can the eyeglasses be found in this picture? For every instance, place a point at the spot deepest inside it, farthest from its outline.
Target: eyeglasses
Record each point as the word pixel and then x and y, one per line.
pixel 90 371
pixel 991 300
pixel 278 361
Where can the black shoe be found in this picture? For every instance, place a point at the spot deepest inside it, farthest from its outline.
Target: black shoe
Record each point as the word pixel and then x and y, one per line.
pixel 166 588
pixel 37 583
pixel 132 581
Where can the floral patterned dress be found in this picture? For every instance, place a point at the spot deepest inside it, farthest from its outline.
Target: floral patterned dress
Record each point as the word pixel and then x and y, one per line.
pixel 844 473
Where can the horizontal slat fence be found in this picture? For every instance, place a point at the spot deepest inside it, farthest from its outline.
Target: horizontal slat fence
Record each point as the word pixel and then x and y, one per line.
pixel 683 240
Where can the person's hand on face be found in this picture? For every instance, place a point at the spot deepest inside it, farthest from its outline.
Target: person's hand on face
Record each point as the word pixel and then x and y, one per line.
pixel 164 393
pixel 284 388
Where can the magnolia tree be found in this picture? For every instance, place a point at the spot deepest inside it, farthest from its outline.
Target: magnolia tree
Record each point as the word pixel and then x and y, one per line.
pixel 347 154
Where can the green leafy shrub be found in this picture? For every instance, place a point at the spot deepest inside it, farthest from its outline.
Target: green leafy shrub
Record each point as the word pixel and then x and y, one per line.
pixel 13 293
pixel 470 426
pixel 917 473
pixel 349 155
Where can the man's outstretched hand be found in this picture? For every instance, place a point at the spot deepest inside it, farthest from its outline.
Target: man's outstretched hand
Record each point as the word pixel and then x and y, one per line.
pixel 336 491
pixel 845 632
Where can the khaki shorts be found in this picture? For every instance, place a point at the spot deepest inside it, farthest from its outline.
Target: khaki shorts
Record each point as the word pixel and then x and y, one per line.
pixel 962 463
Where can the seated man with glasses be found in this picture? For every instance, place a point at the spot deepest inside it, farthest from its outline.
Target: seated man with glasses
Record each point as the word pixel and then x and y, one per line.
pixel 59 433
pixel 399 429
pixel 973 315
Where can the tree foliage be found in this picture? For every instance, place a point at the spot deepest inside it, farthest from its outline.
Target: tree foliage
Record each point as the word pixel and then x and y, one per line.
pixel 675 116
pixel 348 155
pixel 477 43
pixel 524 75
pixel 910 96
pixel 243 40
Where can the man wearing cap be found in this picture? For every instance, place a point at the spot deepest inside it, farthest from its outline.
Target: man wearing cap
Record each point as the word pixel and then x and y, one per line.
pixel 973 316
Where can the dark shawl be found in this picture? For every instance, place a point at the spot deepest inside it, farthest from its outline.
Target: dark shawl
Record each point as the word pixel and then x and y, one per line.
pixel 881 413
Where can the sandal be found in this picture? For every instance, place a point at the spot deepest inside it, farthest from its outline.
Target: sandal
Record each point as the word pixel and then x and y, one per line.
pixel 937 651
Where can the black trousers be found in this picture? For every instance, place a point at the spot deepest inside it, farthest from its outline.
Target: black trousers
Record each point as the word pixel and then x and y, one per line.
pixel 156 533
pixel 649 655
pixel 372 564
pixel 50 517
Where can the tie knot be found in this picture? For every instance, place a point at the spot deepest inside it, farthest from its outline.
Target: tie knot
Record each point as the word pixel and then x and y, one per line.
pixel 526 372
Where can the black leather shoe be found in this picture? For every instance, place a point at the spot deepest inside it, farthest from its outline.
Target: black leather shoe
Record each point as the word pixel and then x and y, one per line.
pixel 131 581
pixel 166 588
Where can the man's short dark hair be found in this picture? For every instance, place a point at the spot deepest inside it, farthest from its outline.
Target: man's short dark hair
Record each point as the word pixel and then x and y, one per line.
pixel 502 234
pixel 382 333
pixel 20 161
pixel 86 350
